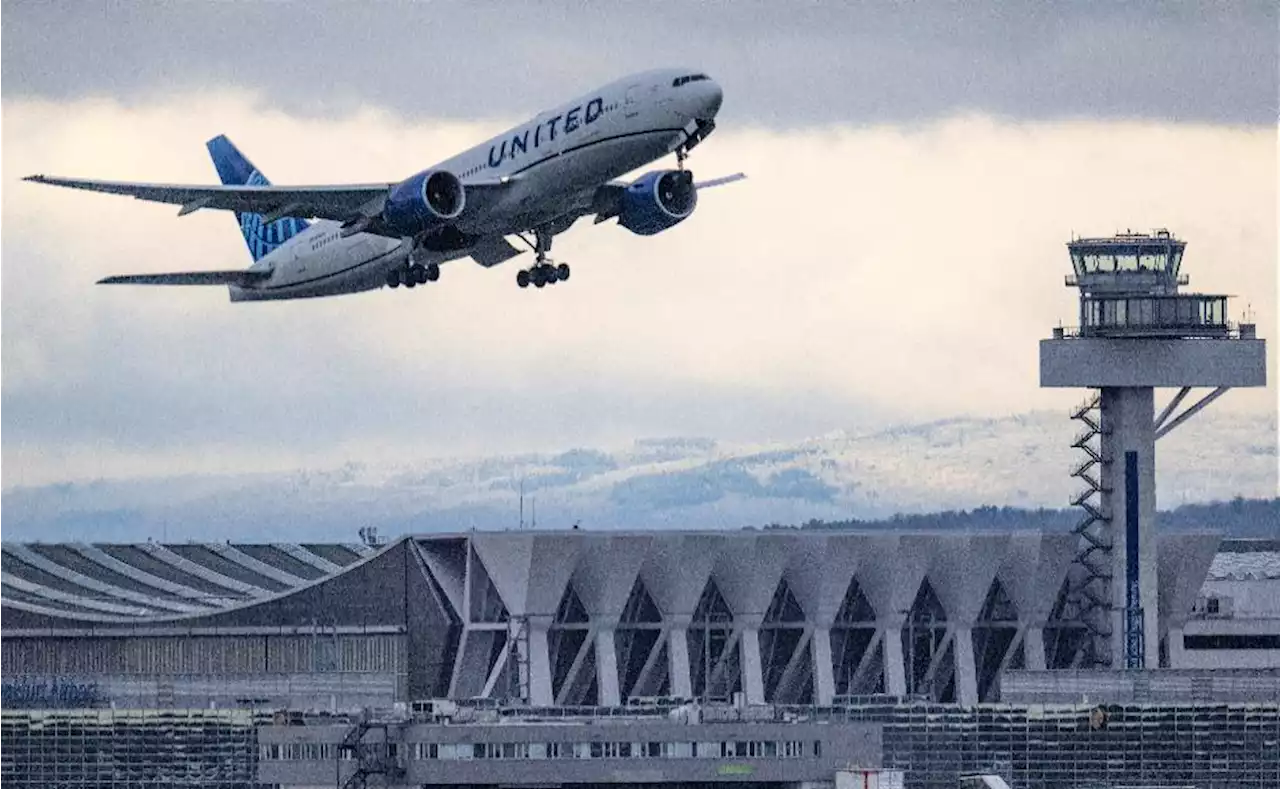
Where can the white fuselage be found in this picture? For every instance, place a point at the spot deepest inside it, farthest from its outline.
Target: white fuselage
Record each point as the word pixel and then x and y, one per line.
pixel 555 161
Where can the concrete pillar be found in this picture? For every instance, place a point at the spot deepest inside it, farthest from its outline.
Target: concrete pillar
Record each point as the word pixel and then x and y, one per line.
pixel 824 680
pixel 678 654
pixel 607 668
pixel 1128 414
pixel 1176 657
pixel 895 666
pixel 1033 648
pixel 966 672
pixel 540 694
pixel 752 671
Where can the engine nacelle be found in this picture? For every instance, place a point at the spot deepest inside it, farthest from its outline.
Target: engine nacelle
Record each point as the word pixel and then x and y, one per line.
pixel 426 200
pixel 657 201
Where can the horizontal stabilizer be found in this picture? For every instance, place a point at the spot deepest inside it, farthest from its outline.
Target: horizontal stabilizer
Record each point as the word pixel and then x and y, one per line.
pixel 242 278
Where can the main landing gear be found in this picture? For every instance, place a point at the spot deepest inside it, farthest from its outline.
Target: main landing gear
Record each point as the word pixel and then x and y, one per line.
pixel 543 274
pixel 413 274
pixel 545 271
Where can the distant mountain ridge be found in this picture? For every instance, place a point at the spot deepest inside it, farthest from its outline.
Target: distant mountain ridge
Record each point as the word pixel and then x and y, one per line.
pixel 1240 517
pixel 944 467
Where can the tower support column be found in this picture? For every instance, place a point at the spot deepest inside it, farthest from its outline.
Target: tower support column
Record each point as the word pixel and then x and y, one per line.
pixel 1128 415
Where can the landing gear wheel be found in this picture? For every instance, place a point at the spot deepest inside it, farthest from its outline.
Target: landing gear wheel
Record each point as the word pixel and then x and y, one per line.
pixel 543 272
pixel 393 279
pixel 432 272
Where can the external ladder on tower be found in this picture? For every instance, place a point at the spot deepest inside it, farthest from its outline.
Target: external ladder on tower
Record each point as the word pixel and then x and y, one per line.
pixel 1089 597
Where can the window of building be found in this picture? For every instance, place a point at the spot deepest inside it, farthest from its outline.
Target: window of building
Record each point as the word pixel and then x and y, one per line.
pixel 677 750
pixel 1232 641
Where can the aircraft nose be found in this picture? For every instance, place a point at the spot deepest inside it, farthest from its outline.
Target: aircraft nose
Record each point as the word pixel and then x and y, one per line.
pixel 713 95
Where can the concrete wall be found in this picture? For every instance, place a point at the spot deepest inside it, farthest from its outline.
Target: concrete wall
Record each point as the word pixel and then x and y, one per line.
pixel 1093 363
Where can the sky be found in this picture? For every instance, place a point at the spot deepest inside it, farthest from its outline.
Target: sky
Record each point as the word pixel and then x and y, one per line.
pixel 894 256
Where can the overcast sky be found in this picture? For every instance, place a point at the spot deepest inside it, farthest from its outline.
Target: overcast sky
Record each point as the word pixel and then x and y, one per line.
pixel 895 255
pixel 784 63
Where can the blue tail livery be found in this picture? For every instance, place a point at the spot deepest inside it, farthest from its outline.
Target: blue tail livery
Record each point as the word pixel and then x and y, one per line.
pixel 236 170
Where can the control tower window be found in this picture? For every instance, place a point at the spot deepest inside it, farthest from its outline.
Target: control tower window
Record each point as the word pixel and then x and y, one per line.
pixel 1152 261
pixel 1095 262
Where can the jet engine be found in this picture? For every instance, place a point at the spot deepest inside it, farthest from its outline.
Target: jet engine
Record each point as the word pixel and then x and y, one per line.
pixel 657 201
pixel 424 201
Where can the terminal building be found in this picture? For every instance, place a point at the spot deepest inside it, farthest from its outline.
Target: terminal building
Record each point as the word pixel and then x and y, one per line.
pixel 1112 654
pixel 578 619
pixel 706 649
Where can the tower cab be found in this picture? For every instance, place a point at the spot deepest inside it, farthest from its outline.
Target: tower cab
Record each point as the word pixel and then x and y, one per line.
pixel 1129 288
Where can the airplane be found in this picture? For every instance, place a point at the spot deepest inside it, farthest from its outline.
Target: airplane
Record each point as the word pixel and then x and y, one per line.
pixel 536 179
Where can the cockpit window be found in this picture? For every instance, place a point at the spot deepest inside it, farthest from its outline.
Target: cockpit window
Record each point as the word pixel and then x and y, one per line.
pixel 687 79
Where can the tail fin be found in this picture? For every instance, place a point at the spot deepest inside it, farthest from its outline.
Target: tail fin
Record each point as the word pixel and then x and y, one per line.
pixel 234 169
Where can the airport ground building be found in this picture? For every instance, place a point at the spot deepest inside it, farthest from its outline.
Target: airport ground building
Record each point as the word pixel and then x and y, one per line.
pixel 575 619
pixel 732 653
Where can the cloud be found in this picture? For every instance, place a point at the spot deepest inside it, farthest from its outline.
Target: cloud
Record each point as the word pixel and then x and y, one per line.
pixel 861 274
pixel 786 65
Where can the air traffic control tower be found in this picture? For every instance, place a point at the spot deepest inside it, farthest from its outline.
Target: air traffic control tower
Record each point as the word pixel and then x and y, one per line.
pixel 1136 333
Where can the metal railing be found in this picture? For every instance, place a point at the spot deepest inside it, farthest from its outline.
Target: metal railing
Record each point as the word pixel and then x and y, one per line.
pixel 1231 330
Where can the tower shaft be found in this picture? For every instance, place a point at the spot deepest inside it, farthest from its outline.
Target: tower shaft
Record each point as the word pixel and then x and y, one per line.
pixel 1129 496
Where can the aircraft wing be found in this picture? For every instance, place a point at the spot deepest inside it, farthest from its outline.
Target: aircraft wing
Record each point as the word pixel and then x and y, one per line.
pixel 324 202
pixel 721 181
pixel 357 206
pixel 243 277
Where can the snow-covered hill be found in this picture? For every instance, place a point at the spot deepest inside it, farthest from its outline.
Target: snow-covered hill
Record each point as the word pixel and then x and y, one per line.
pixel 1020 461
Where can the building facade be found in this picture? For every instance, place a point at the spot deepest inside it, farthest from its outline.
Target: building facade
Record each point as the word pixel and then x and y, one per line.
pixel 587 619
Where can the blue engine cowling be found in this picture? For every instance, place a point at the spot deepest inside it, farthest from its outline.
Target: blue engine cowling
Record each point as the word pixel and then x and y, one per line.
pixel 424 201
pixel 657 201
